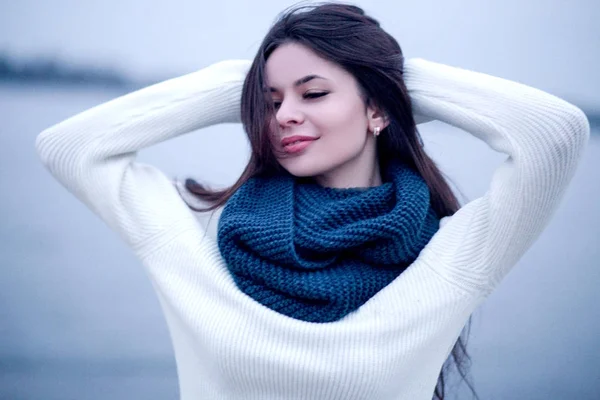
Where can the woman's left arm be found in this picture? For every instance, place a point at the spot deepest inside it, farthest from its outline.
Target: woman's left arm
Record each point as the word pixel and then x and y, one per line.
pixel 544 138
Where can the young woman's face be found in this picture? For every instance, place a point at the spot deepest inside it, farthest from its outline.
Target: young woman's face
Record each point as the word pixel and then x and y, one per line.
pixel 321 122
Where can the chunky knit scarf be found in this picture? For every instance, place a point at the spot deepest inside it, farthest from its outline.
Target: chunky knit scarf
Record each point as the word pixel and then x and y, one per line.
pixel 316 254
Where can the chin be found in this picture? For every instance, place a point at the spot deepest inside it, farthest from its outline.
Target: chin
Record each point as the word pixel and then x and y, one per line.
pixel 302 168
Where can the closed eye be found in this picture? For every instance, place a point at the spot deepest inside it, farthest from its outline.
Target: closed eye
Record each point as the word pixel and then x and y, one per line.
pixel 314 95
pixel 311 95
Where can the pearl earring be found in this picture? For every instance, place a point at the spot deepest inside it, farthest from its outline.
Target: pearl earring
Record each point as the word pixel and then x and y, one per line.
pixel 376 131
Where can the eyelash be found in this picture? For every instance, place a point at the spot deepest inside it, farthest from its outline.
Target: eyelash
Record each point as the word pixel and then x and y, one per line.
pixel 313 95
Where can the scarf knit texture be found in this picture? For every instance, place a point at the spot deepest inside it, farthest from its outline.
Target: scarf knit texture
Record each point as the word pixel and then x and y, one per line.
pixel 315 253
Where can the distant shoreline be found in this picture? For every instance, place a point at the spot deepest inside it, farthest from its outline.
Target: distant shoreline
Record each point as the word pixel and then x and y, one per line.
pixel 50 71
pixel 123 87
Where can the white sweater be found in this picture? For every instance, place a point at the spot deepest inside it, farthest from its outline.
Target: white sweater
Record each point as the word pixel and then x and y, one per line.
pixel 227 345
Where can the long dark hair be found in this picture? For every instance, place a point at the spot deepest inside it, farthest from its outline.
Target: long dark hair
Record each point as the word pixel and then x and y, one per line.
pixel 345 35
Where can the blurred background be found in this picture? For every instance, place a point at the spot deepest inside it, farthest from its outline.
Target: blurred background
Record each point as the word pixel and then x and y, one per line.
pixel 78 316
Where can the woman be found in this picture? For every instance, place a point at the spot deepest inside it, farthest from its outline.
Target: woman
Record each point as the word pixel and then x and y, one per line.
pixel 340 265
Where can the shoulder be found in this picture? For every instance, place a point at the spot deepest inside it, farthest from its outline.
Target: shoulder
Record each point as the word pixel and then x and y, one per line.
pixel 208 220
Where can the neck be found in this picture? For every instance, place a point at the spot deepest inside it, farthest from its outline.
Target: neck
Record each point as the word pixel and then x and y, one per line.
pixel 359 172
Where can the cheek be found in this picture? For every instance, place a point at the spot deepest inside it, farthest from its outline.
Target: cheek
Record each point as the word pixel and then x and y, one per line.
pixel 273 132
pixel 344 121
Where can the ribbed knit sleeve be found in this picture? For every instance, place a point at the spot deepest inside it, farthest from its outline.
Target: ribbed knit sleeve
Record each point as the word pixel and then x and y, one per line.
pixel 544 138
pixel 93 154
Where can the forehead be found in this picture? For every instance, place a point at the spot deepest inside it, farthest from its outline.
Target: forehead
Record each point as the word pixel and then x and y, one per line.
pixel 292 61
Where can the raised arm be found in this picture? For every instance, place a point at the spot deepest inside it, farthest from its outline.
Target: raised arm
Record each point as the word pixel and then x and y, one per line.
pixel 544 138
pixel 93 153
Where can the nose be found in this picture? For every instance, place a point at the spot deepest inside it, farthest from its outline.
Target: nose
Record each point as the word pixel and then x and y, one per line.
pixel 289 114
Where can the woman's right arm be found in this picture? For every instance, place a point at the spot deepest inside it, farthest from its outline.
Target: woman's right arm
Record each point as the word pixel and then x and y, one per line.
pixel 93 154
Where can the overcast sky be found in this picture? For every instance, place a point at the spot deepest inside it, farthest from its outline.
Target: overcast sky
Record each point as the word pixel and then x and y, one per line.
pixel 550 44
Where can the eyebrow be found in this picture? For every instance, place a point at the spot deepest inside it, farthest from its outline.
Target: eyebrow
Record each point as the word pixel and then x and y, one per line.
pixel 302 81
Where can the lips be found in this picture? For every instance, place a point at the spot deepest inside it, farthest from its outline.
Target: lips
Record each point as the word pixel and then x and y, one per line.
pixel 296 138
pixel 295 144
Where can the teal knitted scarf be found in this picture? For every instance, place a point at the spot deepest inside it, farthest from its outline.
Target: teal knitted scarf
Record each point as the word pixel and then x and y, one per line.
pixel 315 253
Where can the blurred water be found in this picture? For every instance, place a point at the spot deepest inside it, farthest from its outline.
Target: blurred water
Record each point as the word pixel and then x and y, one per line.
pixel 79 319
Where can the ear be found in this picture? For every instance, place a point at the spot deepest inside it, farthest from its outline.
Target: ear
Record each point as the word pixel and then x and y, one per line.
pixel 376 118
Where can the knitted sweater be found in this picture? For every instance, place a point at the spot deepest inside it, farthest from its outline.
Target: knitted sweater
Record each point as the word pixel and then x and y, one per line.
pixel 228 346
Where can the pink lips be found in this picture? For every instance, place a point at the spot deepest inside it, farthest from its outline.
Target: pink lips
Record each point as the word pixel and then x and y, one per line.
pixel 294 144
